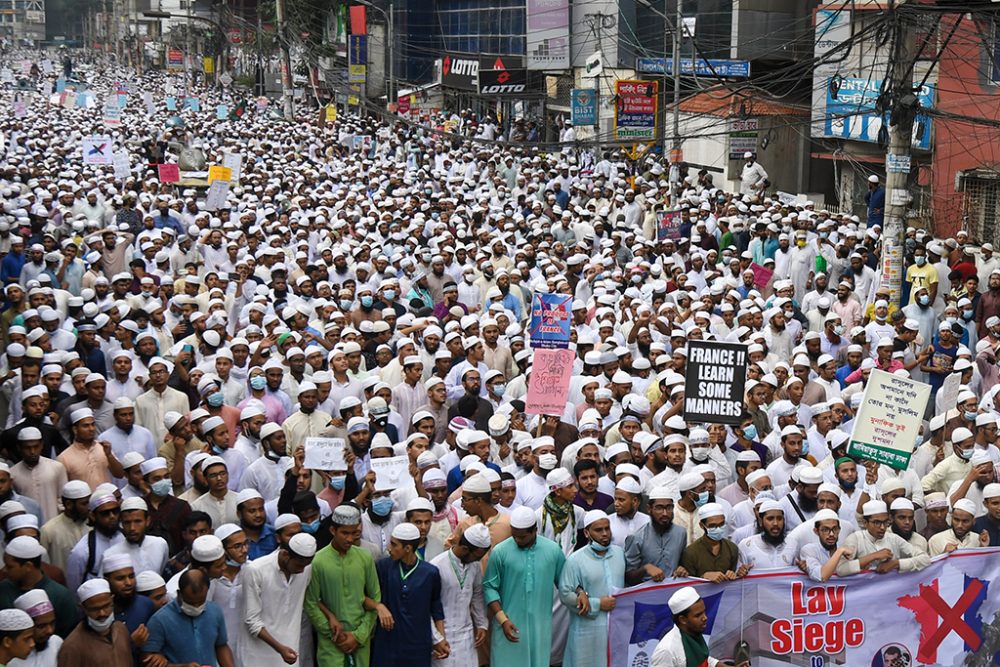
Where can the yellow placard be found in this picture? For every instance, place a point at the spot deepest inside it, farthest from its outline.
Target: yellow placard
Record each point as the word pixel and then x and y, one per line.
pixel 209 64
pixel 331 113
pixel 219 173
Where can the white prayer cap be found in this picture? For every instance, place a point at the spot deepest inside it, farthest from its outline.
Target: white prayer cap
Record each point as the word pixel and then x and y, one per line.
pixel 708 510
pixel 991 490
pixel 522 517
pixel 478 535
pixel 683 600
pixel 961 433
pixel 965 505
pixel 211 424
pixel 24 547
pixel 770 506
pixel 123 403
pixel 664 492
pixel 35 603
pixel 114 562
pixel 213 461
pixel 29 433
pixel 825 515
pixel 245 495
pixel 132 459
pixel 558 478
pixel 148 581
pixel 420 505
pixel 979 457
pixel 592 516
pixel 134 503
pixel 810 475
pixel 629 485
pixel 171 418
pixel 76 489
pixel 269 429
pixel 226 530
pixel 406 531
pixel 155 463
pixel 873 507
pixel 901 504
pixel 539 442
pixel 689 480
pixel 92 587
pixel 15 620
pixel 81 413
pixel 285 520
pixel 476 484
pixel 303 545
pixel 207 549
pixel 252 409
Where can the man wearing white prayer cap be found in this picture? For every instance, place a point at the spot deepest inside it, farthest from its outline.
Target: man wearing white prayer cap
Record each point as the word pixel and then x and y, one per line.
pixel 37 605
pixel 874 547
pixel 585 588
pixel 712 556
pixel 521 577
pixel 61 533
pixel 148 552
pixel 465 621
pixel 960 535
pixel 768 547
pixel 627 519
pixel 99 639
pixel 280 577
pixel 17 635
pixel 152 585
pixel 411 593
pixel 133 610
pixel 684 645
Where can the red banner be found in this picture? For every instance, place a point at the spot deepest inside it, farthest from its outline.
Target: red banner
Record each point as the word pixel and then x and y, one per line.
pixel 359 24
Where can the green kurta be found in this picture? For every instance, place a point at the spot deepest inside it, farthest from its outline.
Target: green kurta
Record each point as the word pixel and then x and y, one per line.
pixel 341 584
pixel 523 580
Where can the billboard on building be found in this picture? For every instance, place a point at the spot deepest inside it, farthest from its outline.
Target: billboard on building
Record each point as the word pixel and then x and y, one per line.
pixel 850 111
pixel 635 110
pixel 547 37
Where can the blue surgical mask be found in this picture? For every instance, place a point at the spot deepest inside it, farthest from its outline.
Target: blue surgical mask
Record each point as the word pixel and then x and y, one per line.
pixel 231 563
pixel 390 294
pixel 920 440
pixel 599 548
pixel 920 260
pixel 311 527
pixel 805 448
pixel 258 382
pixel 337 482
pixel 499 388
pixel 966 453
pixel 345 304
pixel 702 499
pixel 968 314
pixel 971 416
pixel 717 534
pixel 382 506
pixel 216 400
pixel 162 487
pixel 367 301
pixel 924 300
pixel 750 432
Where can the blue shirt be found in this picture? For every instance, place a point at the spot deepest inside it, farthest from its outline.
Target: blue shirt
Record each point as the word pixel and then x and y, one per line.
pixel 10 268
pixel 263 546
pixel 184 639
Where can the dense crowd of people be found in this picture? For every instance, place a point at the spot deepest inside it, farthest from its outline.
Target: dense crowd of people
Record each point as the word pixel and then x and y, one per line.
pixel 164 365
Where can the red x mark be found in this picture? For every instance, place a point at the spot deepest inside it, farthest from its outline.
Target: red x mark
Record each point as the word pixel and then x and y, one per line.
pixel 951 617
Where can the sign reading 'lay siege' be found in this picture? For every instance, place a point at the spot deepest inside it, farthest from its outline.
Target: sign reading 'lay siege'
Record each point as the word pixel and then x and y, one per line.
pixel 714 378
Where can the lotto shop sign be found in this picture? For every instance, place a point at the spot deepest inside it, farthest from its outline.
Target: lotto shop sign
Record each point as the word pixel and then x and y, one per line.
pixel 947 614
pixel 713 382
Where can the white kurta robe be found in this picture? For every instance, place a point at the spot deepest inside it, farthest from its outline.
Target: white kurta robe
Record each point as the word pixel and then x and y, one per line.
pixel 464 608
pixel 272 601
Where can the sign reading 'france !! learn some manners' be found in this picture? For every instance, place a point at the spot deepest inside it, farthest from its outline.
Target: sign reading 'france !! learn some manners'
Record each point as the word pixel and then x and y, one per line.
pixel 714 378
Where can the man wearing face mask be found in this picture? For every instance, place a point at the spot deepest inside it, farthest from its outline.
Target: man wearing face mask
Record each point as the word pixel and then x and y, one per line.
pixel 955 467
pixel 99 639
pixel 191 629
pixel 922 274
pixel 712 556
pixel 532 488
pixel 266 474
pixel 694 494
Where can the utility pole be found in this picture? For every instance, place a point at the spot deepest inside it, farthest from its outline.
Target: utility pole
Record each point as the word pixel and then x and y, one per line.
pixel 286 61
pixel 678 26
pixel 903 105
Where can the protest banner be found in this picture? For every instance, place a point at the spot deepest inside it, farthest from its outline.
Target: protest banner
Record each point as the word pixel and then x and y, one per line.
pixel 171 103
pixel 391 473
pixel 233 162
pixel 761 275
pixel 888 422
pixel 668 225
pixel 942 615
pixel 551 319
pixel 947 395
pixel 325 454
pixel 147 99
pixel 217 194
pixel 168 173
pixel 123 166
pixel 112 113
pixel 219 173
pixel 548 383
pixel 714 377
pixel 221 112
pixel 97 150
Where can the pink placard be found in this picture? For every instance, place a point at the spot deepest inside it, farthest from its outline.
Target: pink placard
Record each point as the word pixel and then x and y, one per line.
pixel 548 384
pixel 761 275
pixel 169 173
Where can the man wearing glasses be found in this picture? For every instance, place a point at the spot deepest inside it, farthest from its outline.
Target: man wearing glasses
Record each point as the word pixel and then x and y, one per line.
pixel 874 547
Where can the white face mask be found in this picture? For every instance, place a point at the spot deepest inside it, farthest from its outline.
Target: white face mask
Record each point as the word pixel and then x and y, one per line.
pixel 101 624
pixel 192 610
pixel 699 453
pixel 547 461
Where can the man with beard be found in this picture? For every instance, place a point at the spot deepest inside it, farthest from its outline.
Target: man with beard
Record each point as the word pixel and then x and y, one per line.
pixel 960 535
pixel 780 469
pixel 768 548
pixel 60 533
pixel 654 551
pixel 802 504
pixel 989 524
pixel 35 265
pixel 84 559
pixel 147 552
pixel 37 605
pixel 131 609
pixel 874 547
pixel 510 300
pixel 903 524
